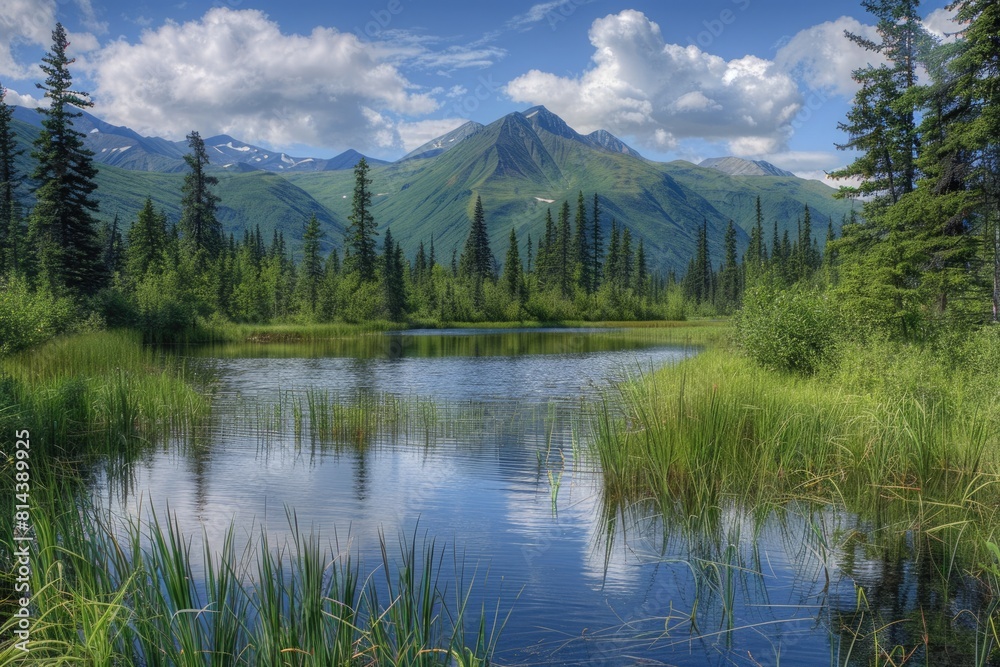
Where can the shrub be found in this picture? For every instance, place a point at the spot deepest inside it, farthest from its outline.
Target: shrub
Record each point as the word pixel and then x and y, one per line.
pixel 28 317
pixel 788 330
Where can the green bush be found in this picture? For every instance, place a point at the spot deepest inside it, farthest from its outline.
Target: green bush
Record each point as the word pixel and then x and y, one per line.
pixel 28 317
pixel 787 330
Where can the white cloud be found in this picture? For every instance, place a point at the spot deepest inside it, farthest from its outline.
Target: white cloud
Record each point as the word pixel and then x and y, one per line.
pixel 553 12
pixel 416 134
pixel 32 22
pixel 659 93
pixel 234 72
pixel 15 98
pixel 824 58
pixel 941 23
pixel 23 22
pixel 430 52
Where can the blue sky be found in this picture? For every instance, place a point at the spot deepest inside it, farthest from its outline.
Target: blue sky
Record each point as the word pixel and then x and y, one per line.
pixel 758 78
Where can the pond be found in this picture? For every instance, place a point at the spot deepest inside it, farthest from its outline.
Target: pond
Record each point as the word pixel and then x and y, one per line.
pixel 479 440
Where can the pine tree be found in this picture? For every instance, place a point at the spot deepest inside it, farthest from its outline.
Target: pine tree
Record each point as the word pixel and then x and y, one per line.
pixel 201 230
pixel 361 232
pixel 754 260
pixel 597 247
pixel 420 266
pixel 582 254
pixel 512 277
pixel 627 259
pixel 11 234
pixel 393 283
pixel 612 268
pixel 112 248
pixel 564 252
pixel 641 271
pixel 729 275
pixel 311 275
pixel 477 262
pixel 882 123
pixel 62 230
pixel 978 88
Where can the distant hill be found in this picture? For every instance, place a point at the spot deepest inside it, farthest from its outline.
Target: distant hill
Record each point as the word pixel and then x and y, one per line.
pixel 736 166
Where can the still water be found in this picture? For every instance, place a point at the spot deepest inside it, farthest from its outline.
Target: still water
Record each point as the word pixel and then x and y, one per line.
pixel 487 454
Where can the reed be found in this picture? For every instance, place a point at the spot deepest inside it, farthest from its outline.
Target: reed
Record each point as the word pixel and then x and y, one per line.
pixel 133 594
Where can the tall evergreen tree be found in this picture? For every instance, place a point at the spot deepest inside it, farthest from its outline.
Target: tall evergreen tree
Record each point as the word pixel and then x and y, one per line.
pixel 564 253
pixel 312 273
pixel 612 266
pixel 753 261
pixel 641 270
pixel 201 231
pixel 512 273
pixel 627 259
pixel 11 235
pixel 978 87
pixel 597 246
pixel 361 232
pixel 62 228
pixel 477 261
pixel 393 283
pixel 582 264
pixel 729 276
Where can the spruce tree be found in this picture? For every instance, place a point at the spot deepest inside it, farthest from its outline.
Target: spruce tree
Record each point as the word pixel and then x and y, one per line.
pixel 627 259
pixel 393 283
pixel 477 262
pixel 612 268
pixel 201 231
pixel 361 232
pixel 597 247
pixel 512 276
pixel 565 252
pixel 582 253
pixel 62 228
pixel 311 275
pixel 641 270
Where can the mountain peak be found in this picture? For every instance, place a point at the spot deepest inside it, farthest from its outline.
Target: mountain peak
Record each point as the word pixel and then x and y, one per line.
pixel 541 118
pixel 737 166
pixel 444 142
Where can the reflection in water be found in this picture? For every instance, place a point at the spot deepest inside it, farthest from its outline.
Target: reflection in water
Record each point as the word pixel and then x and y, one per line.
pixel 479 440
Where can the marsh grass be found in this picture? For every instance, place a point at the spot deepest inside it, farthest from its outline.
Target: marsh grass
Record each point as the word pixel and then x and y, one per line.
pixel 97 394
pixel 718 427
pixel 135 593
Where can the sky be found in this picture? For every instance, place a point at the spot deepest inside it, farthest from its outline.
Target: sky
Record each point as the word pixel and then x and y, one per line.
pixel 761 79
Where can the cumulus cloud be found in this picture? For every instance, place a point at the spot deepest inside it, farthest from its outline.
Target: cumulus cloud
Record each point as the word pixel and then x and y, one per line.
pixel 234 71
pixel 824 58
pixel 941 23
pixel 660 93
pixel 23 22
pixel 15 98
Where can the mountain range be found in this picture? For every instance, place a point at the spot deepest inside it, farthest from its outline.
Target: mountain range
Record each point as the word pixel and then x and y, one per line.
pixel 520 165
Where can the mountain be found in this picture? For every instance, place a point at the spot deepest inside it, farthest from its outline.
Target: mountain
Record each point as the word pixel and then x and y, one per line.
pixel 229 153
pixel 521 165
pixel 444 142
pixel 735 166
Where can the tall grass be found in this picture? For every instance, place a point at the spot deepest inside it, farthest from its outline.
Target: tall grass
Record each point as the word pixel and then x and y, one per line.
pixel 96 394
pixel 132 594
pixel 717 425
